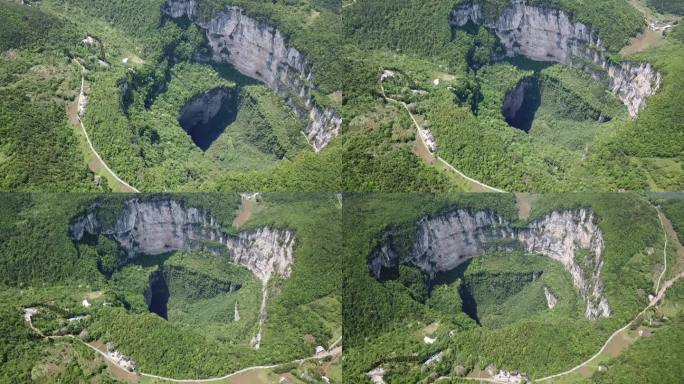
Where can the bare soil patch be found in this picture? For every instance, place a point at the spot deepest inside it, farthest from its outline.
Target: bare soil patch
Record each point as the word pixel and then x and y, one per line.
pixel 648 39
pixel 524 203
pixel 245 212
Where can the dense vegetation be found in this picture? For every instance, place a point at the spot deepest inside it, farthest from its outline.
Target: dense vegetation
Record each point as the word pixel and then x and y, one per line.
pixel 674 210
pixel 37 81
pixel 303 311
pixel 386 320
pixel 674 7
pixel 651 360
pixel 581 138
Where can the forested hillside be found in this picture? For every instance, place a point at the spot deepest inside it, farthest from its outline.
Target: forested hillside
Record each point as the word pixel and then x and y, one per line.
pixel 387 319
pixel 38 149
pixel 667 6
pixel 42 265
pixel 456 84
pixel 134 58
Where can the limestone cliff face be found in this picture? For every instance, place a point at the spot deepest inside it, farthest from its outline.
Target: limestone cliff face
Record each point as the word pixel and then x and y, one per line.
pixel 546 34
pixel 447 241
pixel 560 236
pixel 160 226
pixel 260 51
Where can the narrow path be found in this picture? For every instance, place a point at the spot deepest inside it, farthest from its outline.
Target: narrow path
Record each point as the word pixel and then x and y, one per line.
pixel 349 4
pixel 662 225
pixel 331 353
pixel 451 167
pixel 127 187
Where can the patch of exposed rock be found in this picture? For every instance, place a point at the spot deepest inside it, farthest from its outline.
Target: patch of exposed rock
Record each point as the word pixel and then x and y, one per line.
pixel 261 51
pixel 551 300
pixel 546 34
pixel 444 242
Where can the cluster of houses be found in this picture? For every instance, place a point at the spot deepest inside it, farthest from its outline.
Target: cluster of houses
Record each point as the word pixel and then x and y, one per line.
pixel 513 377
pixel 121 360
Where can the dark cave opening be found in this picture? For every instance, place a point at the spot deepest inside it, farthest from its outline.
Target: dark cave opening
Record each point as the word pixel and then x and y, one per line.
pixel 157 294
pixel 521 104
pixel 469 304
pixel 206 116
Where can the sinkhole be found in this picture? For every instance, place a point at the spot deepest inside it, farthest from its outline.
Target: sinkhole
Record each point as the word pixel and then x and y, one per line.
pixel 157 295
pixel 521 103
pixel 171 286
pixel 207 115
pixel 484 294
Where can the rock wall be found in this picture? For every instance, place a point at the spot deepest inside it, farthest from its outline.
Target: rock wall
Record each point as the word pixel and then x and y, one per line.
pixel 260 51
pixel 514 99
pixel 546 34
pixel 159 226
pixel 521 103
pixel 560 235
pixel 444 242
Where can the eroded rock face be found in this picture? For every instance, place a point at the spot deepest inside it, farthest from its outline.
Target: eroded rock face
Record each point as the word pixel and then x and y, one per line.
pixel 551 300
pixel 260 51
pixel 160 226
pixel 546 34
pixel 446 241
pixel 560 235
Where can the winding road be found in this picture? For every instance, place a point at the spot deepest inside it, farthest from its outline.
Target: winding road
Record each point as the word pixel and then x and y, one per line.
pixel 81 96
pixel 479 184
pixel 334 351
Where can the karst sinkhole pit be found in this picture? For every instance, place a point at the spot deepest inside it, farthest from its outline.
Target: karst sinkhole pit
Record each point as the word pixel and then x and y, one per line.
pixel 206 116
pixel 521 103
pixel 469 304
pixel 157 295
pixel 170 283
pixel 482 292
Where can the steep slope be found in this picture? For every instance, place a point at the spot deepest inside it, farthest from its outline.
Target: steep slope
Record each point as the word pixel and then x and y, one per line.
pixel 261 51
pixel 447 241
pixel 547 34
pixel 162 226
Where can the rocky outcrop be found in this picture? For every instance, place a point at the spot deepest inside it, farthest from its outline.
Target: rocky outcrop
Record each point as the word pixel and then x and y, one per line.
pixel 551 300
pixel 546 34
pixel 260 51
pixel 155 227
pixel 446 241
pixel 560 236
pixel 159 226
